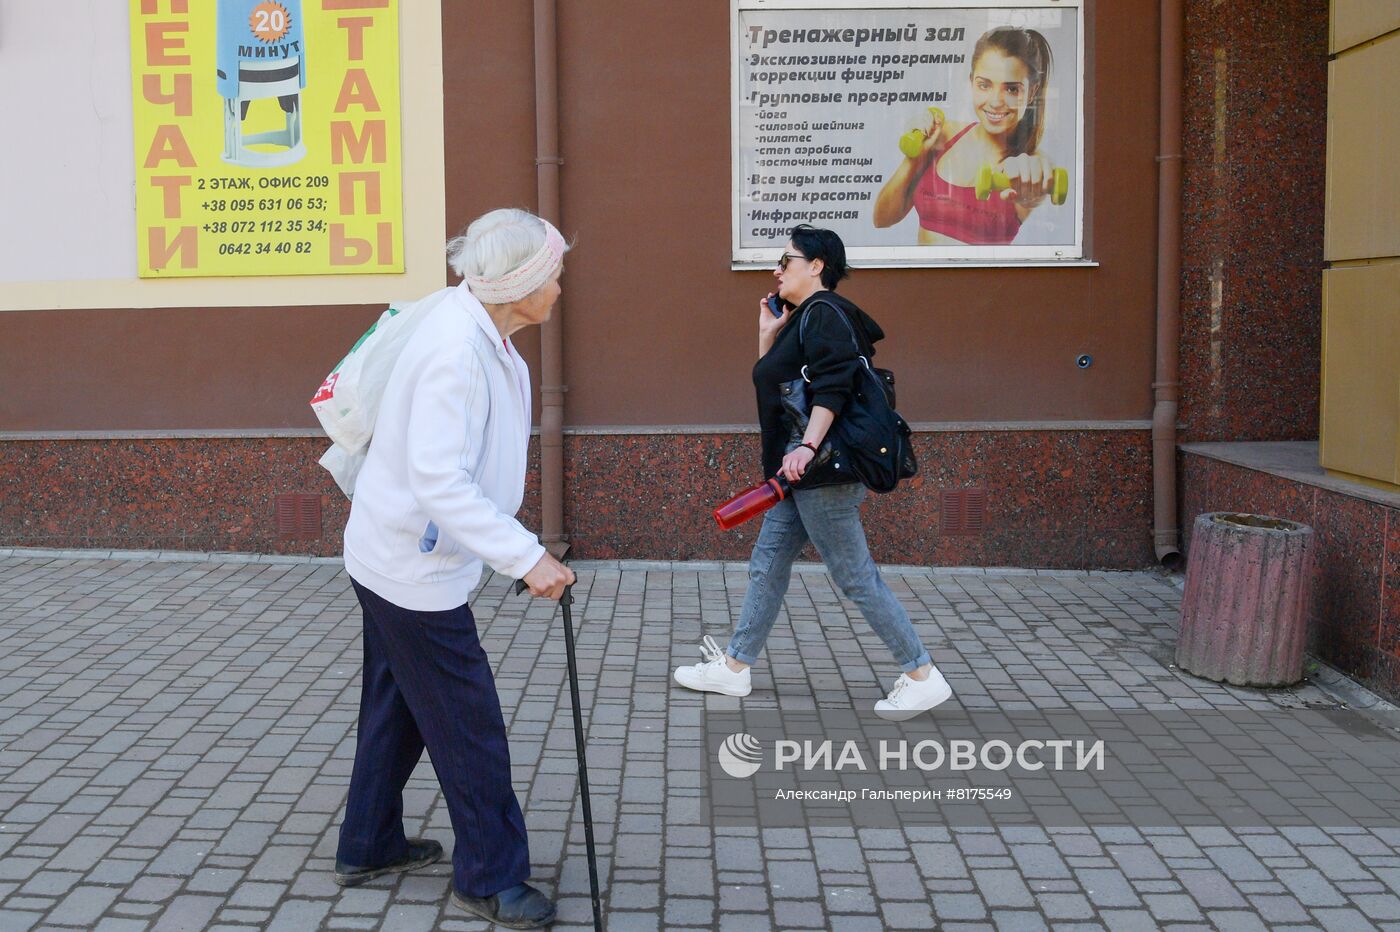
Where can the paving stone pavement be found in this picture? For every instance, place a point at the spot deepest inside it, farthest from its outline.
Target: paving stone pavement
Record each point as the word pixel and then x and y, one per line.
pixel 176 739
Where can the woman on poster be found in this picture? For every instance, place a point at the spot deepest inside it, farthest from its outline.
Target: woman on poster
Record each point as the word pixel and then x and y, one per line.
pixel 1009 75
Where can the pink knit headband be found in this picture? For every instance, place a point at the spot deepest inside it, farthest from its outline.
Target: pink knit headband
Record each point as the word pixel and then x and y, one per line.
pixel 525 280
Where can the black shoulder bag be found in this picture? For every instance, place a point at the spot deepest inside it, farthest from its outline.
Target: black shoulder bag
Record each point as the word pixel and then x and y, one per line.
pixel 869 439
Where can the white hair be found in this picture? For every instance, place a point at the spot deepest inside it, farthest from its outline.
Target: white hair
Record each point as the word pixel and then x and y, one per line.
pixel 496 243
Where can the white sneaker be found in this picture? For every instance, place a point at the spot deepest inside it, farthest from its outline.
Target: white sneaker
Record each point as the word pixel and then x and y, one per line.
pixel 910 696
pixel 714 675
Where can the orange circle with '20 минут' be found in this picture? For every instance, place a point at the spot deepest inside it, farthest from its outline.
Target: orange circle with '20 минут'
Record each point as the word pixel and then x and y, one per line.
pixel 269 21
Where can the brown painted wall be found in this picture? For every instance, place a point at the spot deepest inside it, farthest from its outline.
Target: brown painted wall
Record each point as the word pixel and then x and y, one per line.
pixel 658 330
pixel 169 367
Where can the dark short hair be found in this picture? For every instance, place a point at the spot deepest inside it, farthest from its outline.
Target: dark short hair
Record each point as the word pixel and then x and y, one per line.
pixel 816 243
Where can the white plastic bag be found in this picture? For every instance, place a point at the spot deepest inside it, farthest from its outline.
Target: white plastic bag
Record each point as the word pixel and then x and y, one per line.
pixel 348 400
pixel 347 403
pixel 344 466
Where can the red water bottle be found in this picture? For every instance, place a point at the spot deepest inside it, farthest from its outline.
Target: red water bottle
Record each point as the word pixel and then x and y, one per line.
pixel 752 502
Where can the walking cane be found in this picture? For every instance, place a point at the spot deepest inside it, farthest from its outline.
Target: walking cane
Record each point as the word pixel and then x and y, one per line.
pixel 567 600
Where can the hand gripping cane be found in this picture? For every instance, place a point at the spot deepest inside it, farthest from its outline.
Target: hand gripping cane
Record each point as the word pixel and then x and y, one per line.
pixel 567 601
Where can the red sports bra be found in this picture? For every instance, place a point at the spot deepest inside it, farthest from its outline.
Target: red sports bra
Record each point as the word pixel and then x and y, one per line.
pixel 955 211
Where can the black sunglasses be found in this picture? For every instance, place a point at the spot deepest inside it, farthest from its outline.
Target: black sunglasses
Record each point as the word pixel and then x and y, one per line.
pixel 785 258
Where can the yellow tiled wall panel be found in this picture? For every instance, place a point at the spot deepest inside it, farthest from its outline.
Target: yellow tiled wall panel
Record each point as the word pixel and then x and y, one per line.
pixel 1356 21
pixel 1361 371
pixel 1363 137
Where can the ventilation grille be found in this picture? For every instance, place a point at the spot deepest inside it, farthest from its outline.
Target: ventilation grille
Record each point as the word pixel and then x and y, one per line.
pixel 298 516
pixel 964 511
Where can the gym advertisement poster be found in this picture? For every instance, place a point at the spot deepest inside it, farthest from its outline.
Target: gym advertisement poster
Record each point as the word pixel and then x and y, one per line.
pixel 924 134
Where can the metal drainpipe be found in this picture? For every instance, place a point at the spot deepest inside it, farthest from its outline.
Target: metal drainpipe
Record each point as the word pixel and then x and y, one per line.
pixel 1165 388
pixel 552 388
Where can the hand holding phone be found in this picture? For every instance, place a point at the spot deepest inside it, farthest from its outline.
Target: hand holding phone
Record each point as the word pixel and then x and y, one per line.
pixel 773 314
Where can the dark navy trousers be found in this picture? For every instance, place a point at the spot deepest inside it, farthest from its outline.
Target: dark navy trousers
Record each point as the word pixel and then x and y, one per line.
pixel 427 682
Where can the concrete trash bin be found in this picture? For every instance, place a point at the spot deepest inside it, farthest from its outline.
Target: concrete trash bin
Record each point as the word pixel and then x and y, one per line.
pixel 1244 612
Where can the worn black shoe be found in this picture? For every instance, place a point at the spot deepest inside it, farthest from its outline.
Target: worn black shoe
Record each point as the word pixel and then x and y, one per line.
pixel 421 853
pixel 519 907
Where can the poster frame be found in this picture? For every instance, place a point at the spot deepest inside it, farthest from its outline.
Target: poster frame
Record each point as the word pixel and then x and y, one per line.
pixel 424 200
pixel 749 258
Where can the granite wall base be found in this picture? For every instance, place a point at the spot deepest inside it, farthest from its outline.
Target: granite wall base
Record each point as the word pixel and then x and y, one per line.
pixel 1354 617
pixel 1054 499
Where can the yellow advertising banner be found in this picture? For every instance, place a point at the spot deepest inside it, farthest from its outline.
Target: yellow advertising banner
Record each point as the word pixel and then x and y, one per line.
pixel 267 137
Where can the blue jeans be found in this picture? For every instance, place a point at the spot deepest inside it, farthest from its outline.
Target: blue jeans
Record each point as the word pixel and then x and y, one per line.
pixel 829 517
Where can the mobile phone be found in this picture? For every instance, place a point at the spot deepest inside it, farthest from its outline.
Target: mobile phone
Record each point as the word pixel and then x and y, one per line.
pixel 775 304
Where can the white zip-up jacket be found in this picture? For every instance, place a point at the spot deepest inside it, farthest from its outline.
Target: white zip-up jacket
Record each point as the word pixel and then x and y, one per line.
pixel 445 473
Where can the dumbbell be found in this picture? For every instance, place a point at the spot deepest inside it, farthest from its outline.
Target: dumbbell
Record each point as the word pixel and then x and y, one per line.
pixel 989 181
pixel 912 142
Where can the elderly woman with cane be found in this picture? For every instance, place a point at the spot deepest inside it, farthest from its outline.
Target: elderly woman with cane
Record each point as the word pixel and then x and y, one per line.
pixel 435 500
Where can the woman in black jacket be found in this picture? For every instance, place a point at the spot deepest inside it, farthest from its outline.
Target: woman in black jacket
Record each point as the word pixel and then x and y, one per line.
pixel 820 335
